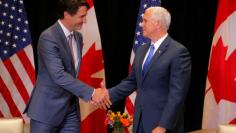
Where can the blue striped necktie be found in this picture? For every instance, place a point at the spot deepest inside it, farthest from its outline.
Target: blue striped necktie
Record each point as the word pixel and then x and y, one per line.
pixel 148 59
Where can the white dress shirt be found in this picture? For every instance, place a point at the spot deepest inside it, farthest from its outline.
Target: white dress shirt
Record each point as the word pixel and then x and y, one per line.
pixel 156 45
pixel 74 44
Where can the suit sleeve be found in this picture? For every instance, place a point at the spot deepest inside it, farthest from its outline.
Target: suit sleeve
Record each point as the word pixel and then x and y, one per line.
pixel 125 88
pixel 180 73
pixel 49 53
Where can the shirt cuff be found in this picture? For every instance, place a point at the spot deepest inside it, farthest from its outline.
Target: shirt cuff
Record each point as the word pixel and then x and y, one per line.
pixel 93 92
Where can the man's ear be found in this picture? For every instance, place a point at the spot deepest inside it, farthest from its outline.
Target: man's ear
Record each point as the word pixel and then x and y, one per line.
pixel 158 23
pixel 66 14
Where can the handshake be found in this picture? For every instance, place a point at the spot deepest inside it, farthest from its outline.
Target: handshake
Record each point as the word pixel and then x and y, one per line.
pixel 101 98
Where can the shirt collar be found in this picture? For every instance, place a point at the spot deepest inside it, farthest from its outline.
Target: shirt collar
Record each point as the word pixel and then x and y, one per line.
pixel 65 30
pixel 158 42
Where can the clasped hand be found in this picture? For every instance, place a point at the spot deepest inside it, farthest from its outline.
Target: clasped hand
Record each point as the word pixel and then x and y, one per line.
pixel 101 98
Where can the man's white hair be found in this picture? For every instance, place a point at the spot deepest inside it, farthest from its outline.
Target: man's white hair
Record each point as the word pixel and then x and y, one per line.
pixel 161 14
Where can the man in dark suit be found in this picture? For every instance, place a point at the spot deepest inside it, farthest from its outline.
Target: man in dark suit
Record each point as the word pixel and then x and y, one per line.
pixel 160 75
pixel 53 103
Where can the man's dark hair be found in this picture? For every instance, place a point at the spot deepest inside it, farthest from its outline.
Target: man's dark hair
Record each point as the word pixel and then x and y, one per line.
pixel 70 6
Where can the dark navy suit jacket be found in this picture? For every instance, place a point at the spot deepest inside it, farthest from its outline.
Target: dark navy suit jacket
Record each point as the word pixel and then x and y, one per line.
pixel 162 90
pixel 57 87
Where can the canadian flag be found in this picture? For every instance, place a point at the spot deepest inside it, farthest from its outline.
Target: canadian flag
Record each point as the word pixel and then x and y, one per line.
pixel 92 73
pixel 220 93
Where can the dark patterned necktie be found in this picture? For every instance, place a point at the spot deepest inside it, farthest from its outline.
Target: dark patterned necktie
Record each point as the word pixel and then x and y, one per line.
pixel 70 37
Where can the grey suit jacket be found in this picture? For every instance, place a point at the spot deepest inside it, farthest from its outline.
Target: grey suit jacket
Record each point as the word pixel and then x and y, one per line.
pixel 57 87
pixel 162 90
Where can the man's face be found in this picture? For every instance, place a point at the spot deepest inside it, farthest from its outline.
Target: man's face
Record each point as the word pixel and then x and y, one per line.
pixel 76 21
pixel 148 24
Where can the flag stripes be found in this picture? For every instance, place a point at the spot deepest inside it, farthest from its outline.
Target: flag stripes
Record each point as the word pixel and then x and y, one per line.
pixel 17 73
pixel 11 102
pixel 4 107
pixel 16 80
pixel 16 83
pixel 27 63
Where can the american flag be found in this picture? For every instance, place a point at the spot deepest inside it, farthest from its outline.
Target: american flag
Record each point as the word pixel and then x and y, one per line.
pixel 17 70
pixel 138 41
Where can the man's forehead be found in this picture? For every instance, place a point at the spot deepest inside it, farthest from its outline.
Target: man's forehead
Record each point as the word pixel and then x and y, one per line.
pixel 147 14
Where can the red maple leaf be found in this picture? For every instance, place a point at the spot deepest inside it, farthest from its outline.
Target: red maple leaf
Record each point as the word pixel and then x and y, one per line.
pixel 94 123
pixel 222 73
pixel 92 62
pixel 233 121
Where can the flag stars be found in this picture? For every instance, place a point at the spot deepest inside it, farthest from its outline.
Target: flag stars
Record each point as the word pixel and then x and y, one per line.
pixel 4 14
pixel 19 19
pixel 23 39
pixel 10 25
pixel 145 6
pixel 138 33
pixel 13 28
pixel 20 10
pixel 17 28
pixel 13 8
pixel 26 22
pixel 11 17
pixel 140 24
pixel 6 43
pixel 2 23
pixel 16 37
pixel 6 5
pixel 136 42
pixel 8 34
pixel 5 51
pixel 14 45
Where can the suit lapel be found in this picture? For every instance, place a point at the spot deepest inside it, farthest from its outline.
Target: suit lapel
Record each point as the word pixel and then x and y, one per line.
pixel 64 42
pixel 141 58
pixel 163 47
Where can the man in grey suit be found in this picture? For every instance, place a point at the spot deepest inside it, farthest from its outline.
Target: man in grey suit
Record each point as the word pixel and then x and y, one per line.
pixel 160 75
pixel 53 103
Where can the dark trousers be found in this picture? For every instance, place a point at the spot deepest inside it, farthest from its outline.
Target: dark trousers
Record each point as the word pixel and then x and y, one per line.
pixel 141 128
pixel 69 125
pixel 140 125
